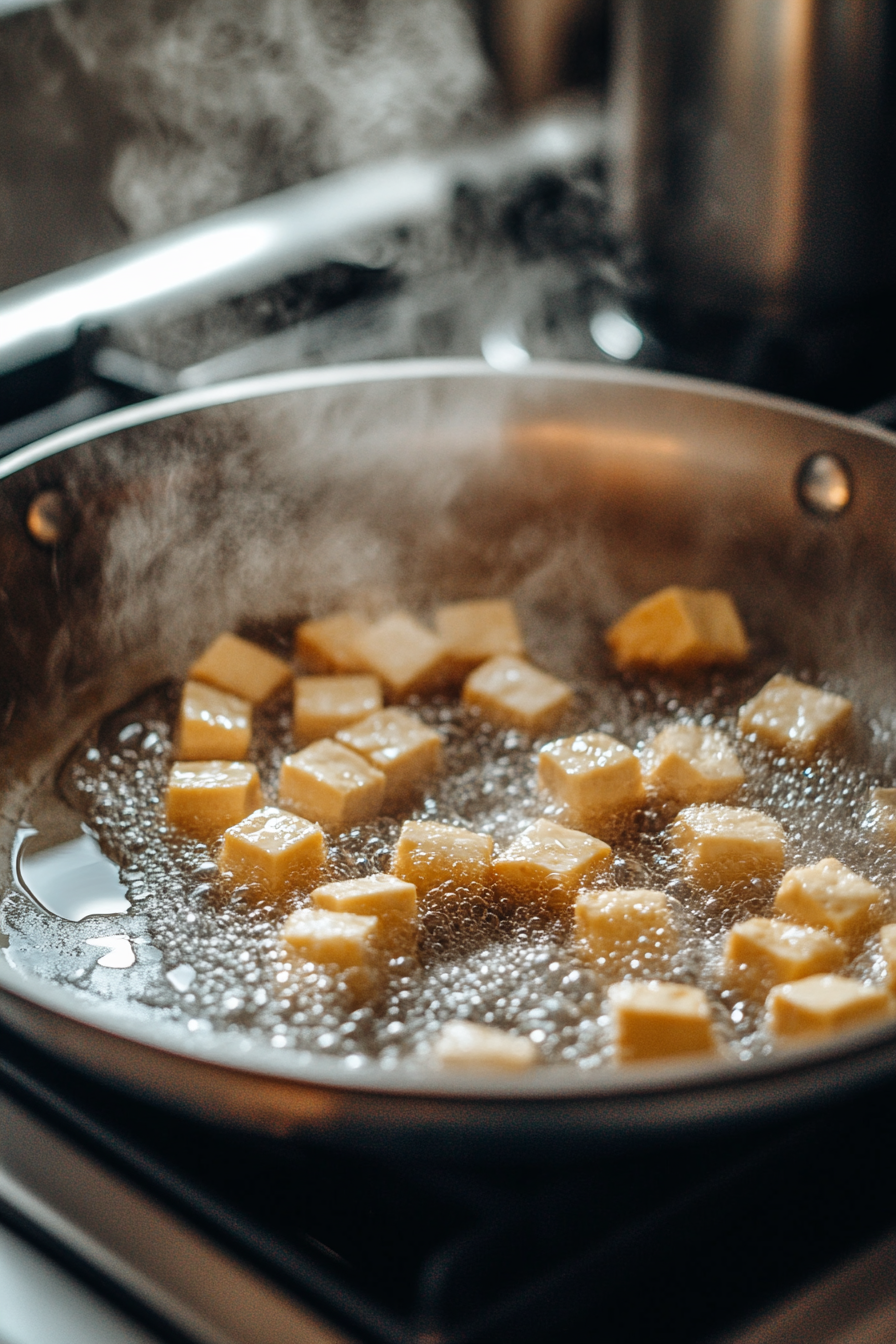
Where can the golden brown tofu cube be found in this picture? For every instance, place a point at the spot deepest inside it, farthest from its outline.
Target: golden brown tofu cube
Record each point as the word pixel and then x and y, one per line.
pixel 236 665
pixel 549 862
pixel 475 631
pixel 655 1018
pixel 795 718
pixel 205 797
pixel 514 694
pixel 630 923
pixel 687 764
pixel 332 938
pixel 880 818
pixel 723 845
pixel 330 644
pixel 679 629
pixel 823 1004
pixel 595 778
pixel 408 658
pixel 829 895
pixel 888 952
pixel 431 855
pixel 331 785
pixel 468 1045
pixel 762 952
pixel 392 901
pixel 212 725
pixel 273 848
pixel 400 744
pixel 323 705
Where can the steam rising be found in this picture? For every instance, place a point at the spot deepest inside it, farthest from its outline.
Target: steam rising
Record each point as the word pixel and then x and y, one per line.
pixel 231 99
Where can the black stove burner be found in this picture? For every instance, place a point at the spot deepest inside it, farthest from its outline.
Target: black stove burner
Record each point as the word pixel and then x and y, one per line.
pixel 674 1243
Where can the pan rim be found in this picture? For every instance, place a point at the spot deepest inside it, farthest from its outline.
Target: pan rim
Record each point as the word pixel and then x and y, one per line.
pixel 335 375
pixel 557 1082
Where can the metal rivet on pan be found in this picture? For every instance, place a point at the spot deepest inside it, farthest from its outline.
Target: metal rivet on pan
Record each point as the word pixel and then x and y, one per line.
pixel 49 518
pixel 824 485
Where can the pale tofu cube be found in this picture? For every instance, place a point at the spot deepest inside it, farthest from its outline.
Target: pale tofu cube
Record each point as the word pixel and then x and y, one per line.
pixel 795 718
pixel 331 785
pixel 514 694
pixel 400 744
pixel 205 797
pixel 392 901
pixel 475 631
pixel 625 924
pixel 323 705
pixel 274 849
pixel 408 658
pixel 596 779
pixel 880 818
pixel 655 1018
pixel 822 1004
pixel 332 938
pixel 432 856
pixel 764 952
pixel 212 725
pixel 888 952
pixel 468 1045
pixel 727 846
pixel 236 665
pixel 679 630
pixel 549 862
pixel 687 764
pixel 330 644
pixel 829 895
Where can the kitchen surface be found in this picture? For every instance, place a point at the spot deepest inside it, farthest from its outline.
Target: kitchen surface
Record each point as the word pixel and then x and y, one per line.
pixel 201 191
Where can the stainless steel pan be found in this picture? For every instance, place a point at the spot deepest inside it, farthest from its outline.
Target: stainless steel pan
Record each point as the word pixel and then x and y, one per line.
pixel 267 498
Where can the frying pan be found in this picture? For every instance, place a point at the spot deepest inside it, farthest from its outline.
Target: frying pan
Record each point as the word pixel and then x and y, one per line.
pixel 129 542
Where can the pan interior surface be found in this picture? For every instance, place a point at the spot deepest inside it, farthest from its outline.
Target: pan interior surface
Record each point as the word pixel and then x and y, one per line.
pixel 574 493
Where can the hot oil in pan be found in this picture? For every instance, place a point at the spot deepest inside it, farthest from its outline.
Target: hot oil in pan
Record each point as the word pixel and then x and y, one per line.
pixel 194 950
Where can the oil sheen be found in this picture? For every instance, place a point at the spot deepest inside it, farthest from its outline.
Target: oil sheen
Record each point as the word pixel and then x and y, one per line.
pixel 174 941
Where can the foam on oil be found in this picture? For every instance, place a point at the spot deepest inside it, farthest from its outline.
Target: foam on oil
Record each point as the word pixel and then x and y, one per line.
pixel 197 951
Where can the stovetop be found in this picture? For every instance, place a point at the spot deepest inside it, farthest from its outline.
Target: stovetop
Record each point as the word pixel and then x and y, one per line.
pixel 679 1242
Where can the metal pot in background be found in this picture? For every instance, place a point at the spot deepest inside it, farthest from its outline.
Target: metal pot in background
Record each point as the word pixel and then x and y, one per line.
pixel 756 144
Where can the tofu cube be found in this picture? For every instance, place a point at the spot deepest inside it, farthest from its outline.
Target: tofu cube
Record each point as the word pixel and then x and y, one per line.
pixel 274 849
pixel 432 856
pixel 475 631
pixel 596 779
pixel 549 862
pixel 624 924
pixel 400 744
pixel 679 630
pixel 888 952
pixel 236 665
pixel 514 694
pixel 823 1004
pixel 764 952
pixel 687 764
pixel 727 846
pixel 330 644
pixel 212 725
pixel 205 797
pixel 468 1045
pixel 387 898
pixel 332 938
pixel 655 1018
pixel 408 658
pixel 880 818
pixel 829 895
pixel 323 705
pixel 331 785
pixel 795 718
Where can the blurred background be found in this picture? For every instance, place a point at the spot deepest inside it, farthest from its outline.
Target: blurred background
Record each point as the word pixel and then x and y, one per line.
pixel 704 186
